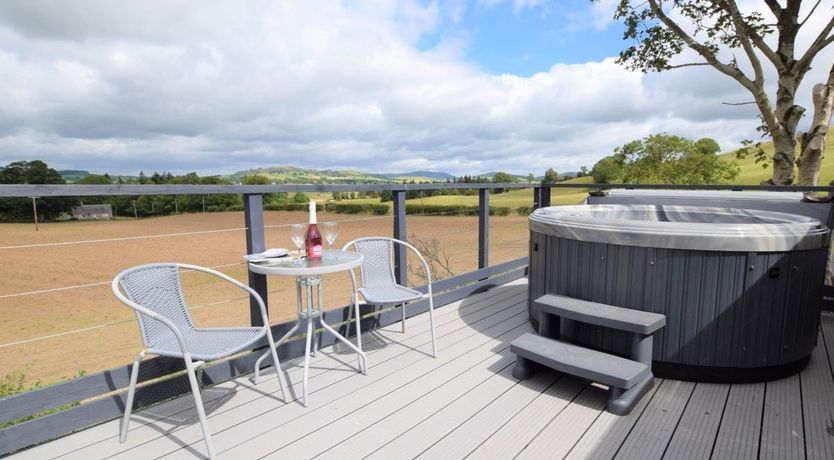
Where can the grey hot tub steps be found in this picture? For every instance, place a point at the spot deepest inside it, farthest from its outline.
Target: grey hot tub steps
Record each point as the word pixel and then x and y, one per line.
pixel 628 379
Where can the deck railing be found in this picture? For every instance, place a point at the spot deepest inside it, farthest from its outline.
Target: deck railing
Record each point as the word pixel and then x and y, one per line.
pixel 102 395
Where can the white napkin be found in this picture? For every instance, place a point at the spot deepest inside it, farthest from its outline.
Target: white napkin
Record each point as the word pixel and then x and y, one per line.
pixel 268 254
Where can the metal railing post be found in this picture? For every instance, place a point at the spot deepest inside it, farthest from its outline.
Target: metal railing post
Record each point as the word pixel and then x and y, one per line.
pixel 541 197
pixel 400 258
pixel 253 216
pixel 545 196
pixel 483 228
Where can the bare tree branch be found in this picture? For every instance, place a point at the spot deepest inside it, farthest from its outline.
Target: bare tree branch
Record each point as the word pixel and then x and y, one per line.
pixel 757 90
pixel 740 103
pixel 814 8
pixel 435 255
pixel 744 36
pixel 700 48
pixel 774 6
pixel 691 64
pixel 822 40
pixel 757 39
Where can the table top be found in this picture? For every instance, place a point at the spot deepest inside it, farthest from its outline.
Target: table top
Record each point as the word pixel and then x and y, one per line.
pixel 332 262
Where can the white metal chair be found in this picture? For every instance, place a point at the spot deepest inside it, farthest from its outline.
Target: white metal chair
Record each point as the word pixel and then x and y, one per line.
pixel 155 294
pixel 379 286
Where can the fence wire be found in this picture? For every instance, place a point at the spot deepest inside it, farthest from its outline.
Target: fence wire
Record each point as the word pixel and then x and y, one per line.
pixel 174 235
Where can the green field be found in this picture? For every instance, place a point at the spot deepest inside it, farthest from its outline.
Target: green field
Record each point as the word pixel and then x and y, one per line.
pixel 753 174
pixel 511 199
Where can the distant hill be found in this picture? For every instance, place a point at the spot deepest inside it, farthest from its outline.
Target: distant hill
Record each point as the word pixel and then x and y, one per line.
pixel 295 175
pixel 435 175
pixel 75 175
pixel 491 174
pixel 72 175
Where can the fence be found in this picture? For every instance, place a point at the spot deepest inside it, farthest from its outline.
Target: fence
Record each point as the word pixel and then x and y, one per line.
pixel 100 395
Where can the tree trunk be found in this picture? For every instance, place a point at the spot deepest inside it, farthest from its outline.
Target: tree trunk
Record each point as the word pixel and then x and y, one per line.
pixel 783 158
pixel 813 142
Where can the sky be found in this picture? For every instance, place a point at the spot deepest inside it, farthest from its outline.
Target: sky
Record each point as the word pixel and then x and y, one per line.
pixel 459 86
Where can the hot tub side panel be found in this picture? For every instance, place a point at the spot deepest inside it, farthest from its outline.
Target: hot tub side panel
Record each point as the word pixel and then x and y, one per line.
pixel 724 309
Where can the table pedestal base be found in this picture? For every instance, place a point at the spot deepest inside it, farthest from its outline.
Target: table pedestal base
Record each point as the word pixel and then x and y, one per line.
pixel 311 313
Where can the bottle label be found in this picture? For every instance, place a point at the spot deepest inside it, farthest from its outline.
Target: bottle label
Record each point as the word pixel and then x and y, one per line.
pixel 314 252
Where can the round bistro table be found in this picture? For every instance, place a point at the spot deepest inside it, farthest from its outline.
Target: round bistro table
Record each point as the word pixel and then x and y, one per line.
pixel 308 276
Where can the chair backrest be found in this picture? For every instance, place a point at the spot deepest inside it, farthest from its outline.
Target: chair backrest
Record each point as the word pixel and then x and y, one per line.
pixel 378 267
pixel 157 288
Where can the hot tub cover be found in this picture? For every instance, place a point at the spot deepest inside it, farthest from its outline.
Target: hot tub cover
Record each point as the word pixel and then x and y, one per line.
pixel 682 227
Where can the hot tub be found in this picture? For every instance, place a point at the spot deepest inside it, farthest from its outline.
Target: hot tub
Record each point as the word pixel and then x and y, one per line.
pixel 741 289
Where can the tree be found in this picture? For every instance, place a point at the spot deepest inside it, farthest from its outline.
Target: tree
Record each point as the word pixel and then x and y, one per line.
pixel 258 179
pixel 550 177
pixel 502 178
pixel 531 178
pixel 665 159
pixel 300 197
pixel 95 179
pixel 583 171
pixel 32 172
pixel 609 170
pixel 720 34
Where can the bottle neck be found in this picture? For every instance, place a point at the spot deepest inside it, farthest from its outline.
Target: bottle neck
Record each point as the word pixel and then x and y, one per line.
pixel 313 213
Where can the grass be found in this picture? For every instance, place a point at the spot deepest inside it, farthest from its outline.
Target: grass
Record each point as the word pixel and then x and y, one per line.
pixel 753 173
pixel 511 198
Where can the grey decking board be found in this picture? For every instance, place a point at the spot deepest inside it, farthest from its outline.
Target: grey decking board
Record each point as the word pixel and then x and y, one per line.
pixel 419 392
pixel 395 422
pixel 417 334
pixel 467 436
pixel 476 305
pixel 696 432
pixel 818 391
pixel 365 417
pixel 737 437
pixel 603 439
pixel 740 430
pixel 511 438
pixel 782 432
pixel 656 426
pixel 414 441
pixel 238 426
pixel 557 438
pixel 453 356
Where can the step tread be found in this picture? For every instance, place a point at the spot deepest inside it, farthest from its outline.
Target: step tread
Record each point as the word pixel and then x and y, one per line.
pixel 579 361
pixel 600 314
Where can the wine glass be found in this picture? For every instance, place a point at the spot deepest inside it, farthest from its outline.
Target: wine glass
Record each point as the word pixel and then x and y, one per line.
pixel 330 231
pixel 297 234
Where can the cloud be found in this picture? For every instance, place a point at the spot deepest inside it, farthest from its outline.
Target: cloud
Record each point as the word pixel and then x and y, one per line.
pixel 162 85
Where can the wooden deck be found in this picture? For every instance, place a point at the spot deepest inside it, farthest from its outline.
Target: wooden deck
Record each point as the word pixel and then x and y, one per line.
pixel 465 404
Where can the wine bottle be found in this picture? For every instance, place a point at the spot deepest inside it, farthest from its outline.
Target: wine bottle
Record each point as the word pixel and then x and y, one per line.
pixel 312 239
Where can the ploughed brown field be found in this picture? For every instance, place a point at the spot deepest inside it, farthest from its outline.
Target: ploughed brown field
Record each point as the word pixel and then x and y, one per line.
pixel 58 316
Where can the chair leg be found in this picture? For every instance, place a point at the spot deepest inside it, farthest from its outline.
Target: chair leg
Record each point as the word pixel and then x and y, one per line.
pixel 134 375
pixel 363 363
pixel 198 402
pixel 431 324
pixel 402 310
pixel 277 344
pixel 276 363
